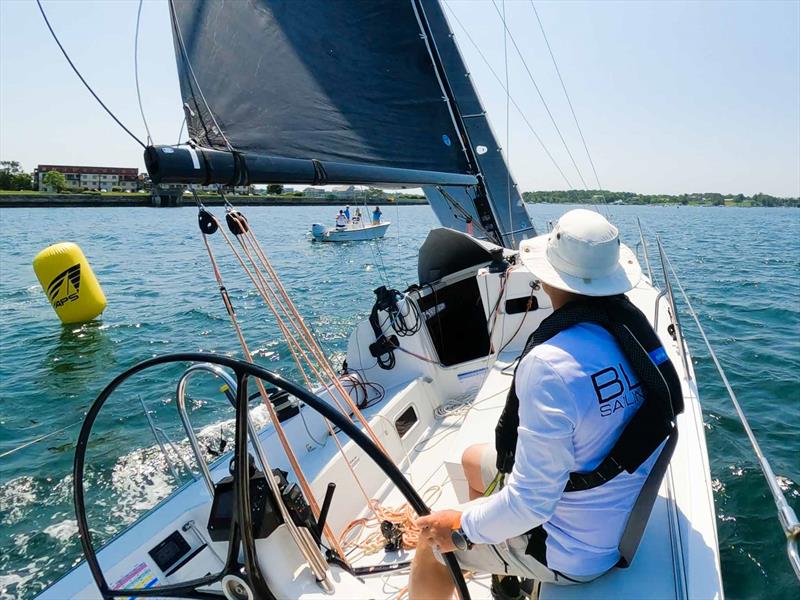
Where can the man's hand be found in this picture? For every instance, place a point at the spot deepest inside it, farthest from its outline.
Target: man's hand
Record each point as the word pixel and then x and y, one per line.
pixel 437 527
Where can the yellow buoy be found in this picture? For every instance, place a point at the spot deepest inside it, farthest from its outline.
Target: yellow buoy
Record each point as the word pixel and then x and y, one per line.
pixel 69 282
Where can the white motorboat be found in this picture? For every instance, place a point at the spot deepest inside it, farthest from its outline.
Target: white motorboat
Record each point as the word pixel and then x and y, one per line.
pixel 425 376
pixel 354 231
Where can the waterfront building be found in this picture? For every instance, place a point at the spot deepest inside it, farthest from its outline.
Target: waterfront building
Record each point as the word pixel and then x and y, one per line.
pixel 81 178
pixel 336 192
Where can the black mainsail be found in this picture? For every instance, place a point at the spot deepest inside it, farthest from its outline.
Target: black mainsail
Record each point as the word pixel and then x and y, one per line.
pixel 311 91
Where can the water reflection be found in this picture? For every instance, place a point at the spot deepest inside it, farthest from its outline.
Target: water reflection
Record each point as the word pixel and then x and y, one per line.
pixel 71 365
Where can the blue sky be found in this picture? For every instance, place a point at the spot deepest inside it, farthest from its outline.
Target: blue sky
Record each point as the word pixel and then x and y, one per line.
pixel 672 96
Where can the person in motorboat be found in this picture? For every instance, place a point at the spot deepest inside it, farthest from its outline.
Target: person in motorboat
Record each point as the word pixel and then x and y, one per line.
pixel 376 216
pixel 341 220
pixel 575 392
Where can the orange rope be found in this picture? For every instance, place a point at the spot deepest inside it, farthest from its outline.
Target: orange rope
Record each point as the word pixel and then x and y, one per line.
pixel 302 329
pixel 270 408
pixel 369 538
pixel 290 339
pixel 271 299
pixel 374 541
pixel 282 307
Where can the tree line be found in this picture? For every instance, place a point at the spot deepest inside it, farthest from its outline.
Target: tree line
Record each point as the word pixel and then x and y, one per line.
pixel 701 199
pixel 12 177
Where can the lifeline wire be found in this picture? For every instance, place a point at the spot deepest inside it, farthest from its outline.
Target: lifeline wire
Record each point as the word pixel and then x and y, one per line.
pixel 514 102
pixel 38 439
pixel 786 515
pixel 78 73
pixel 541 97
pixel 136 72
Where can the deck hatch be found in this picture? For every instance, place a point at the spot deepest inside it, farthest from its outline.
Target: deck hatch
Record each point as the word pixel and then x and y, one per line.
pixel 406 421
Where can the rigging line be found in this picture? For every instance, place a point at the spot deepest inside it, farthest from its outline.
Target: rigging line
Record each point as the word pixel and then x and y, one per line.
pixel 289 338
pixel 380 257
pixel 381 272
pixel 508 127
pixel 136 72
pixel 513 102
pixel 191 71
pixel 299 325
pixel 180 131
pixel 271 299
pixel 566 94
pixel 458 208
pixel 38 439
pixel 290 455
pixel 78 73
pixel 541 97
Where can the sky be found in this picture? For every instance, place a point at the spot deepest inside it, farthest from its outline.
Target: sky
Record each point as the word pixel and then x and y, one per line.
pixel 672 97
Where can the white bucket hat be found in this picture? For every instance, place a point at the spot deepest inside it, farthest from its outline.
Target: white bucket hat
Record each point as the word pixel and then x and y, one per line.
pixel 583 254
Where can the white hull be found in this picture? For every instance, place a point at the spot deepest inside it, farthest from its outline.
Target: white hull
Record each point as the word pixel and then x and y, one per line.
pixel 678 556
pixel 351 233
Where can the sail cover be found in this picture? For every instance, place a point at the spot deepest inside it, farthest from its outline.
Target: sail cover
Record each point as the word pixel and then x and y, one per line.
pixel 350 82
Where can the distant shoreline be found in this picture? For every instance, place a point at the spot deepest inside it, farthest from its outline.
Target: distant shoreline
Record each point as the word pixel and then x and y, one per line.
pixel 32 200
pixel 607 197
pixel 107 200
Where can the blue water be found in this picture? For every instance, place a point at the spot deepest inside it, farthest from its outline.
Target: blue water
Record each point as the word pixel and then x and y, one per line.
pixel 740 266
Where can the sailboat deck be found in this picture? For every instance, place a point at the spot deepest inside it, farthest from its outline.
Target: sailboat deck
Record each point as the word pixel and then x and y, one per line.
pixel 678 556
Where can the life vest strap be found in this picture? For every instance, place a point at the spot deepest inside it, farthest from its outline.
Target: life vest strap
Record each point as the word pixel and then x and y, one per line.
pixel 652 422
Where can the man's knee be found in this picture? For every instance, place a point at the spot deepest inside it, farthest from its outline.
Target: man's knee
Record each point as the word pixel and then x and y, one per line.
pixel 471 461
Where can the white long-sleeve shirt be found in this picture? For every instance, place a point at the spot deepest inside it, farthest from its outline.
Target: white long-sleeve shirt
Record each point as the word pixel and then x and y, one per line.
pixel 576 393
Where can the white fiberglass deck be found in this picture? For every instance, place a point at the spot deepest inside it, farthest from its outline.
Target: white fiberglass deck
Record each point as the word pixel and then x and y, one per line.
pixel 678 556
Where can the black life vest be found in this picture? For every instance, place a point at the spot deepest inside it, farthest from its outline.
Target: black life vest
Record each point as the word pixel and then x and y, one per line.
pixel 652 422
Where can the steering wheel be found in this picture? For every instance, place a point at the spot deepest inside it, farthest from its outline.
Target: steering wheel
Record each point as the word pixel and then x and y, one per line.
pixel 241 531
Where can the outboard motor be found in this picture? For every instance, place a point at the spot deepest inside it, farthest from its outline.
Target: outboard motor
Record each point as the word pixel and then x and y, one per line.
pixel 318 231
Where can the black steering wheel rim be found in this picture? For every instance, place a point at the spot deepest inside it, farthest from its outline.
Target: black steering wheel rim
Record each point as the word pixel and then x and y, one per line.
pixel 241 532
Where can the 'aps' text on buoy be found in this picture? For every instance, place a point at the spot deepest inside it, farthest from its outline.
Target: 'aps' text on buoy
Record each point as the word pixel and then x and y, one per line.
pixel 69 283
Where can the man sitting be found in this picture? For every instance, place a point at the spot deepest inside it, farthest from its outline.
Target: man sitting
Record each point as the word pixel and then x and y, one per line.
pixel 535 527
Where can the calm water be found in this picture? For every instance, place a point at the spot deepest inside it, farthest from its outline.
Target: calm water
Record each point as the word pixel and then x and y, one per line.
pixel 741 268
